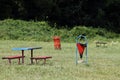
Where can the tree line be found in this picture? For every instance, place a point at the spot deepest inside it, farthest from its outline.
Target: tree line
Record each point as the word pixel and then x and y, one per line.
pixel 91 13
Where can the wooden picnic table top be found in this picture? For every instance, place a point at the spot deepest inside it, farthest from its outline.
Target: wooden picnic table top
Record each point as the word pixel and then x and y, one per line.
pixel 26 48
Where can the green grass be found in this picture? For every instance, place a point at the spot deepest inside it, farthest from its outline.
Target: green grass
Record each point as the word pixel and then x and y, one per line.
pixel 103 62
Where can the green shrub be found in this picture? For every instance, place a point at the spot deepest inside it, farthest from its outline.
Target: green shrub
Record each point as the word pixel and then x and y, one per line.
pixel 42 31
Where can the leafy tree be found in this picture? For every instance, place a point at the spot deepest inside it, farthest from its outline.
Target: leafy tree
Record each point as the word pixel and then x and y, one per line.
pixel 113 16
pixel 38 9
pixel 95 13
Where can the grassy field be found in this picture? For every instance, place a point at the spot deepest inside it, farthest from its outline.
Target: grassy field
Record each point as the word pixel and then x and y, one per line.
pixel 103 62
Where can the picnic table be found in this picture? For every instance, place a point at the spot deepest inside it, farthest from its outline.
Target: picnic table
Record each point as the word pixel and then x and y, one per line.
pixel 98 44
pixel 26 48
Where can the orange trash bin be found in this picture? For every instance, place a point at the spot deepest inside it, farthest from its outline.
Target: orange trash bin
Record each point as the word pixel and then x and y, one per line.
pixel 57 44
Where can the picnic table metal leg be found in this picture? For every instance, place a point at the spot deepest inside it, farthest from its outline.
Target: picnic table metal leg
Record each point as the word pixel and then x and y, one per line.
pixel 31 56
pixel 23 56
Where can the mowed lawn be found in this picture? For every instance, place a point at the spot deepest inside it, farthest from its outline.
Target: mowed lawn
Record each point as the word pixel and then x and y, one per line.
pixel 103 62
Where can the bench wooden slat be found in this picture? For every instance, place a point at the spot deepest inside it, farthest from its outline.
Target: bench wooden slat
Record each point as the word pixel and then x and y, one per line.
pixel 41 57
pixel 13 57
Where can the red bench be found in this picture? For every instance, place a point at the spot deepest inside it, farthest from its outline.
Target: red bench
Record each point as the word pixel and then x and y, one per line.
pixel 40 58
pixel 13 57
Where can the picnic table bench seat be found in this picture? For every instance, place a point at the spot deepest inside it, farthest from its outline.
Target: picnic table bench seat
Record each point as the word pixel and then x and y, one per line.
pixel 13 57
pixel 41 58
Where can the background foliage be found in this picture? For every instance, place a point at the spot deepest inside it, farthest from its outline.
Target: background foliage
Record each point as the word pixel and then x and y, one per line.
pixel 41 31
pixel 70 13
